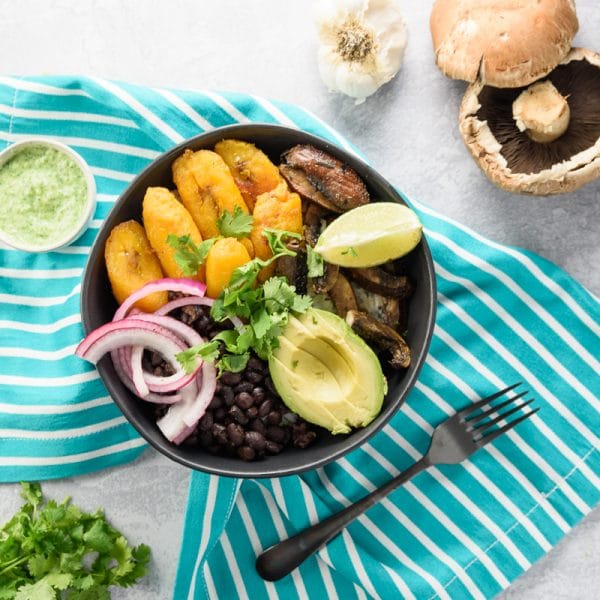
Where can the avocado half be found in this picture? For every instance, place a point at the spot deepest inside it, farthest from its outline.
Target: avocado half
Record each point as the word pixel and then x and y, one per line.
pixel 326 373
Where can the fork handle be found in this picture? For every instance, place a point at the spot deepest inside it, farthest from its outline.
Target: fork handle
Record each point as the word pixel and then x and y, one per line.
pixel 282 558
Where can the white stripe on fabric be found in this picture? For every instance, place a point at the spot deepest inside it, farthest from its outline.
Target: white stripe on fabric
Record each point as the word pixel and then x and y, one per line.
pixel 234 570
pixel 210 584
pixel 38 354
pixel 80 142
pixel 432 547
pixel 275 112
pixel 110 198
pixel 62 434
pixel 374 531
pixel 41 88
pixel 226 106
pixel 139 108
pixel 40 273
pixel 60 115
pixel 360 592
pixel 185 108
pixel 96 223
pixel 527 337
pixel 526 298
pixel 463 499
pixel 546 394
pixel 45 329
pixel 282 534
pixel 112 174
pixel 358 565
pixel 255 542
pixel 495 453
pixel 49 381
pixel 514 436
pixel 53 409
pixel 549 283
pixel 74 250
pixel 37 301
pixel 43 461
pixel 211 495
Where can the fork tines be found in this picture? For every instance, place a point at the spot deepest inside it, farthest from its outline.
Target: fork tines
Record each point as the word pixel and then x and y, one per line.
pixel 481 429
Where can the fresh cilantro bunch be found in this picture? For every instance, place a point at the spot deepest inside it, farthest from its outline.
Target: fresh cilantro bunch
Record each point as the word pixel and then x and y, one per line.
pixel 263 308
pixel 52 551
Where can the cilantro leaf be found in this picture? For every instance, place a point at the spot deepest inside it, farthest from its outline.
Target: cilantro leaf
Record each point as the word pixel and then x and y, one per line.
pixel 50 550
pixel 350 250
pixel 275 239
pixel 237 224
pixel 188 256
pixel 208 351
pixel 314 262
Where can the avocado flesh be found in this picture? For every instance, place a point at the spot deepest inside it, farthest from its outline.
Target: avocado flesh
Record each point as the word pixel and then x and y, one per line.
pixel 326 373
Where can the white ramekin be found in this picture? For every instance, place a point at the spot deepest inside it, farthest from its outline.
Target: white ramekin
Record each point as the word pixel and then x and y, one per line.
pixel 88 212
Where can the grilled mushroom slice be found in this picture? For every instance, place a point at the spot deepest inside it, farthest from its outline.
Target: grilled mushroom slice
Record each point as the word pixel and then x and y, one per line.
pixel 300 183
pixel 381 336
pixel 382 308
pixel 342 296
pixel 294 268
pixel 336 181
pixel 314 223
pixel 379 281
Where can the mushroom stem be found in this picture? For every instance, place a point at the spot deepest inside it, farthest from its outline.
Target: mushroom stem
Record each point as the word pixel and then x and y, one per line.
pixel 542 111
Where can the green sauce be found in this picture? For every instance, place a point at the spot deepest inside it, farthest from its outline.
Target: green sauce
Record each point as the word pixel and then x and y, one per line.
pixel 43 195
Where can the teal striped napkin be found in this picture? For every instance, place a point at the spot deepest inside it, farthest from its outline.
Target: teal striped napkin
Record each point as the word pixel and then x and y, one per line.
pixel 504 315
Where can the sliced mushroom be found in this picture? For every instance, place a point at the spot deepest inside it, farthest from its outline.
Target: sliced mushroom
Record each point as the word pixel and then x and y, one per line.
pixel 336 181
pixel 538 155
pixel 381 336
pixel 379 281
pixel 294 268
pixel 299 182
pixel 382 308
pixel 314 223
pixel 323 284
pixel 342 296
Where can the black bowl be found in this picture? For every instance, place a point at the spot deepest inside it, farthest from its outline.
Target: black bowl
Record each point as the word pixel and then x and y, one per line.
pixel 98 307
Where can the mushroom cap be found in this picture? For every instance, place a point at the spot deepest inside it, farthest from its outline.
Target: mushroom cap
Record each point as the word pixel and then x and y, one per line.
pixel 506 43
pixel 515 162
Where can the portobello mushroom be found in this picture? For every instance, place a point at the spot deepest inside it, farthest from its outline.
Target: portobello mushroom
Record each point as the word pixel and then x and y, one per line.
pixel 335 180
pixel 300 183
pixel 381 336
pixel 382 308
pixel 294 268
pixel 379 281
pixel 342 296
pixel 314 222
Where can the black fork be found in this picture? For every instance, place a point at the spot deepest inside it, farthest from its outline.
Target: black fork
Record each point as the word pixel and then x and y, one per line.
pixel 452 441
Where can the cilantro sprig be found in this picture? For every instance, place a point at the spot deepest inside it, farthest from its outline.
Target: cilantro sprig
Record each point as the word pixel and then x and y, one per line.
pixel 237 224
pixel 51 551
pixel 265 310
pixel 188 256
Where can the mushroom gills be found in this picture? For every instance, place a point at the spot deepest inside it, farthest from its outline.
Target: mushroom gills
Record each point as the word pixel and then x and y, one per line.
pixel 381 337
pixel 382 308
pixel 381 282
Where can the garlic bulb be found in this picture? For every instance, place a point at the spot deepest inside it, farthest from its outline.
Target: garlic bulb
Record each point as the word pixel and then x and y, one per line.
pixel 362 44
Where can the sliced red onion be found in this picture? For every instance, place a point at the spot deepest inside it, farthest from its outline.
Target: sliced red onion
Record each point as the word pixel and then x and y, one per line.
pixel 183 285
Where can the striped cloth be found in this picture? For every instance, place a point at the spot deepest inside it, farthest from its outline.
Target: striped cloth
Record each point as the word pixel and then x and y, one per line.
pixel 504 315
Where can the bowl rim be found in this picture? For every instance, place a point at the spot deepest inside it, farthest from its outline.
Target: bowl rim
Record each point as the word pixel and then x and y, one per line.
pixel 358 436
pixel 91 198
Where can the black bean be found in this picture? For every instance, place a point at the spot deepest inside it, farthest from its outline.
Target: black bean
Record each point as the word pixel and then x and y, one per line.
pixel 246 453
pixel 265 408
pixel 255 440
pixel 252 412
pixel 256 364
pixel 245 386
pixel 270 385
pixel 273 447
pixel 205 438
pixel 227 395
pixel 220 434
pixel 258 394
pixel 258 425
pixel 206 421
pixel 274 417
pixel 236 413
pixel 229 378
pixel 289 418
pixel 235 433
pixel 218 387
pixel 276 433
pixel 254 376
pixel 219 414
pixel 304 439
pixel 244 400
pixel 216 402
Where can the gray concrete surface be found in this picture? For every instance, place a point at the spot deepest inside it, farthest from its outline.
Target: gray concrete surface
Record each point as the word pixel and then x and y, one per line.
pixel 408 131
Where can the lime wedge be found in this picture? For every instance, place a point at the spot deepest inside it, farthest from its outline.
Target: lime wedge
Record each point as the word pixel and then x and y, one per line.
pixel 370 235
